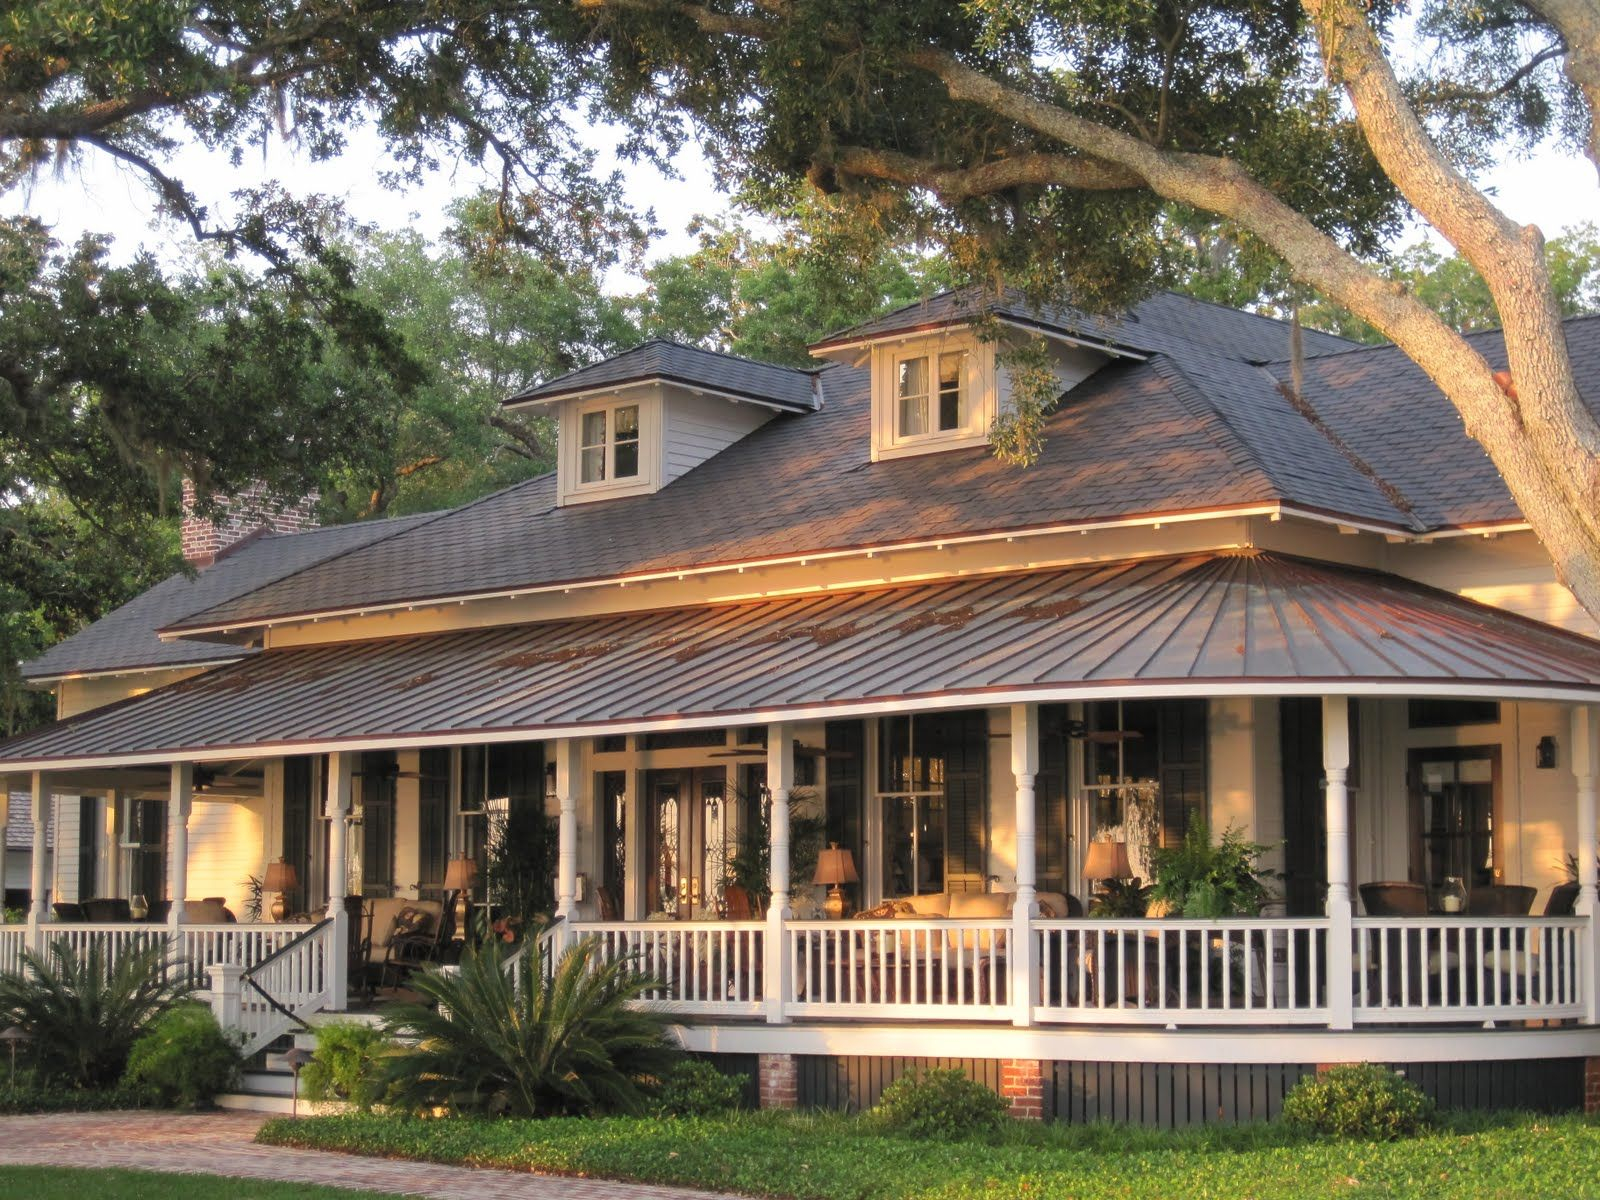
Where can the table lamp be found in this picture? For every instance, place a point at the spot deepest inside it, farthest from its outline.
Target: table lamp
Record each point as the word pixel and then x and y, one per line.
pixel 280 878
pixel 1107 860
pixel 459 876
pixel 835 867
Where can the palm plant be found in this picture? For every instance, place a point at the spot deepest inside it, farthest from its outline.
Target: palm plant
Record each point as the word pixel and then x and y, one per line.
pixel 82 1014
pixel 570 1044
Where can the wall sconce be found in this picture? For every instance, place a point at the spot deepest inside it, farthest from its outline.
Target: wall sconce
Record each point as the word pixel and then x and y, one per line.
pixel 1544 757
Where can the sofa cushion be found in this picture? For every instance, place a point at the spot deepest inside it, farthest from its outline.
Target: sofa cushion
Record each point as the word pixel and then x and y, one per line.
pixel 1056 902
pixel 978 906
pixel 930 904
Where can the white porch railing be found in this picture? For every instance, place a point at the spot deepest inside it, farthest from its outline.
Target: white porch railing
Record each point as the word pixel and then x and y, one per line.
pixel 699 967
pixel 115 939
pixel 1427 969
pixel 1181 972
pixel 13 940
pixel 280 988
pixel 900 969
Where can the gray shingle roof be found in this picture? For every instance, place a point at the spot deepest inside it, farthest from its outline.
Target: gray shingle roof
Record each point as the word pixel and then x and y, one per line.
pixel 1380 404
pixel 1182 623
pixel 1162 324
pixel 125 639
pixel 782 387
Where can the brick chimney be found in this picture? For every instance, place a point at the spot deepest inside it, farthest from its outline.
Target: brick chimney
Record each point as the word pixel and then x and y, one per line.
pixel 241 518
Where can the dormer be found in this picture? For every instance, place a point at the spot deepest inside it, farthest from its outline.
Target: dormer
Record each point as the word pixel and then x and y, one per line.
pixel 937 384
pixel 630 425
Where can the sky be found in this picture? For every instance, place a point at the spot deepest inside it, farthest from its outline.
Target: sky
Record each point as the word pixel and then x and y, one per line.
pixel 1554 189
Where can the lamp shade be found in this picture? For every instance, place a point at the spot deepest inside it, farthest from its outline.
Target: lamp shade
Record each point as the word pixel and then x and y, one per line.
pixel 461 874
pixel 835 866
pixel 281 877
pixel 1107 860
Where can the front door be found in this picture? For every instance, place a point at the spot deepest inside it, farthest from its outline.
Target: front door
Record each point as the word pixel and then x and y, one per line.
pixel 1455 794
pixel 689 837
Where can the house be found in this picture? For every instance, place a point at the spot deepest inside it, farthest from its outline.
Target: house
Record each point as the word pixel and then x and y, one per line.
pixel 813 604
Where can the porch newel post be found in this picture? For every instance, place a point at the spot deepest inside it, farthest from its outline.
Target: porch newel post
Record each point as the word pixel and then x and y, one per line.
pixel 336 807
pixel 1024 980
pixel 1341 933
pixel 38 910
pixel 1585 764
pixel 780 782
pixel 568 774
pixel 180 803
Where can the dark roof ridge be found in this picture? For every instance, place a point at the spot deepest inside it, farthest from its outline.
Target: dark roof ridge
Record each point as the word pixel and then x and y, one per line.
pixel 1228 439
pixel 1402 503
pixel 760 362
pixel 834 335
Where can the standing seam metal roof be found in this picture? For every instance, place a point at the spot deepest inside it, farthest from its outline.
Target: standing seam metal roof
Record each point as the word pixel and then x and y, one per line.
pixel 1200 622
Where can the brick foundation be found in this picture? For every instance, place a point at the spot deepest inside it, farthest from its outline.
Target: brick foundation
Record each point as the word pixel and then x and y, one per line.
pixel 780 1081
pixel 1591 1085
pixel 1022 1086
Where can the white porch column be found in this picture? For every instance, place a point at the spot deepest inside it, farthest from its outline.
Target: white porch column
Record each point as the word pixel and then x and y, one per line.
pixel 38 908
pixel 780 782
pixel 180 803
pixel 336 807
pixel 1341 939
pixel 5 819
pixel 569 781
pixel 1025 770
pixel 1585 764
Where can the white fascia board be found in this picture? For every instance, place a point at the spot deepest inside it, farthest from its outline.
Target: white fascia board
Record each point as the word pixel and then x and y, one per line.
pixel 70 676
pixel 652 381
pixel 975 698
pixel 910 335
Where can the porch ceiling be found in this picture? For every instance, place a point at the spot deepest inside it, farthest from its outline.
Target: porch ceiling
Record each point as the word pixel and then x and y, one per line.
pixel 1205 624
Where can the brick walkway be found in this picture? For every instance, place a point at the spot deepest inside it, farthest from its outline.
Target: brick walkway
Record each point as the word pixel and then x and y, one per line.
pixel 220 1144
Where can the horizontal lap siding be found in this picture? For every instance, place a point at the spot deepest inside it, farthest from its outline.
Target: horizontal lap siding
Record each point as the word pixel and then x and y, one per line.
pixel 852 1084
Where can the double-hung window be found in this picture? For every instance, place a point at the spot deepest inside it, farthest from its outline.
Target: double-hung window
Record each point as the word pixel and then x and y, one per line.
pixel 608 446
pixel 930 394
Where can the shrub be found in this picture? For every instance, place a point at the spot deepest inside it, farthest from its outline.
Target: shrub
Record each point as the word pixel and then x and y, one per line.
pixel 1362 1100
pixel 695 1088
pixel 941 1103
pixel 82 1016
pixel 1197 879
pixel 184 1058
pixel 570 1044
pixel 348 1064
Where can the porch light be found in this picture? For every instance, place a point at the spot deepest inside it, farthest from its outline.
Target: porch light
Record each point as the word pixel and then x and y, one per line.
pixel 1107 860
pixel 835 867
pixel 459 876
pixel 281 878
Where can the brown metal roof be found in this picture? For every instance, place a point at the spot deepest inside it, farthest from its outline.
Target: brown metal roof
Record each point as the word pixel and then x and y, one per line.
pixel 1197 624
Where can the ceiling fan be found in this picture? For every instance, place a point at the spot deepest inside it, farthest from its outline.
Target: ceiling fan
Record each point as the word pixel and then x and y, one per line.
pixel 1079 731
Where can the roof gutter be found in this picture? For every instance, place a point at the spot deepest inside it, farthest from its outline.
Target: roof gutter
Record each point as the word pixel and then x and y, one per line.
pixel 528 401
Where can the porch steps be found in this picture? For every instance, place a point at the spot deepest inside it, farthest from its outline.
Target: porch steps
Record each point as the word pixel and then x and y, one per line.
pixel 269 1087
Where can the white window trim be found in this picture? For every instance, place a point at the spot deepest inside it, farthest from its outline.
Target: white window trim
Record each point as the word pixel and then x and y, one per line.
pixel 651 423
pixel 980 395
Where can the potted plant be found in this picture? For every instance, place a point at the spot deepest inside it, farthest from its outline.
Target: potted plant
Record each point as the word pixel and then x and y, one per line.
pixel 751 866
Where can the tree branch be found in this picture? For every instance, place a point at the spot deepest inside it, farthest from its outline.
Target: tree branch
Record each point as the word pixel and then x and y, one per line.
pixel 962 183
pixel 1460 95
pixel 1578 23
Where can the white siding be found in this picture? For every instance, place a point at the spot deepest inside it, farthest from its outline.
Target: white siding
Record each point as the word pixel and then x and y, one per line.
pixel 64 884
pixel 227 844
pixel 699 427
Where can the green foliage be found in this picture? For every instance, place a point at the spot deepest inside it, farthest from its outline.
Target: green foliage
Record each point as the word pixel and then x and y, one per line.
pixel 183 1058
pixel 522 863
pixel 82 1018
pixel 24 1093
pixel 941 1104
pixel 751 864
pixel 1357 1100
pixel 1198 879
pixel 829 1156
pixel 569 1044
pixel 1120 899
pixel 348 1064
pixel 695 1088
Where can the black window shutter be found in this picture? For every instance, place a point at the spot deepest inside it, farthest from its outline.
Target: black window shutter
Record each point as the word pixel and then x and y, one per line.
pixel 1182 725
pixel 963 740
pixel 1050 800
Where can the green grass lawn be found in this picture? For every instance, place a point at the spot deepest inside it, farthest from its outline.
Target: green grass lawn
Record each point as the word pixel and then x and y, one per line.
pixel 828 1157
pixel 75 1183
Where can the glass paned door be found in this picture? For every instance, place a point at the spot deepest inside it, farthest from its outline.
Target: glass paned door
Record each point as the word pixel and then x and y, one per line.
pixel 689 835
pixel 1454 807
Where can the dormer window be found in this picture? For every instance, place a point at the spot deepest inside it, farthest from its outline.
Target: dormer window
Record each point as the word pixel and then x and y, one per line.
pixel 609 445
pixel 932 394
